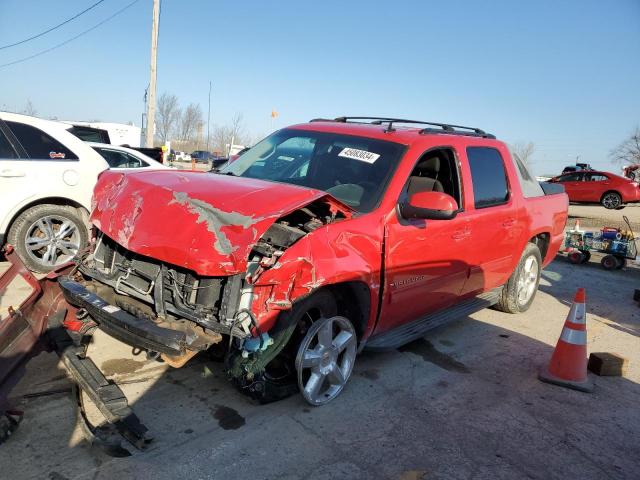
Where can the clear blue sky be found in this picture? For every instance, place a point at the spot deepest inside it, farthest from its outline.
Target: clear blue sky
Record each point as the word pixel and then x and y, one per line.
pixel 563 74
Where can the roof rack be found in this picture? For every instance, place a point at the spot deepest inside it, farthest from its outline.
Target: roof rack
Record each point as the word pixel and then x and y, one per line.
pixel 441 127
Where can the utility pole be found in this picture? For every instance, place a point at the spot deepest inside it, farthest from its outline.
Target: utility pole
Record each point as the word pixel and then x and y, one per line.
pixel 209 116
pixel 151 99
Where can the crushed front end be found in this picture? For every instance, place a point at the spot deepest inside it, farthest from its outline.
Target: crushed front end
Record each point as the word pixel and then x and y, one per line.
pixel 177 265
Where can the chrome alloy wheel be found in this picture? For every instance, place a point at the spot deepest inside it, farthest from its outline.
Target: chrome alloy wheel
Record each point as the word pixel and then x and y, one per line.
pixel 528 280
pixel 52 240
pixel 325 359
pixel 611 201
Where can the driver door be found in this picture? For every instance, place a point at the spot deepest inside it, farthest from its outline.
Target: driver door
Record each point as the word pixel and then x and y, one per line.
pixel 425 260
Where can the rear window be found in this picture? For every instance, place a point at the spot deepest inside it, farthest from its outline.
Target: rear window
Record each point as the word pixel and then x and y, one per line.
pixel 89 134
pixel 530 186
pixel 489 177
pixel 40 145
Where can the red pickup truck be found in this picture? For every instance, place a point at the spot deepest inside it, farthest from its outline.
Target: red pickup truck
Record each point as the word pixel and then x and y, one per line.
pixel 324 239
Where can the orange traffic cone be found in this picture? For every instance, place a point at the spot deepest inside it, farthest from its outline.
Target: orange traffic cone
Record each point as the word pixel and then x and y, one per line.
pixel 577 226
pixel 568 365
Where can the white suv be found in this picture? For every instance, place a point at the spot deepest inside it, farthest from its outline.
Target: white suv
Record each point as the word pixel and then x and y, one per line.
pixel 47 176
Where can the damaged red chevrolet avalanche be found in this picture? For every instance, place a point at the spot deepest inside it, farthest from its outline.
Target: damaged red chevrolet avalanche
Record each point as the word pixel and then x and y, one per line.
pixel 324 239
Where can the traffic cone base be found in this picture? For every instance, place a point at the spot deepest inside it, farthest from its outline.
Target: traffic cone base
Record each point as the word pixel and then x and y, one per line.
pixel 583 386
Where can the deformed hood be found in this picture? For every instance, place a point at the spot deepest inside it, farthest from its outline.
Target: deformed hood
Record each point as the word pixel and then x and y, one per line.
pixel 207 223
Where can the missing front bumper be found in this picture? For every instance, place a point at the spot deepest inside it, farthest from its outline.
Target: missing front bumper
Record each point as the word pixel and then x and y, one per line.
pixel 123 326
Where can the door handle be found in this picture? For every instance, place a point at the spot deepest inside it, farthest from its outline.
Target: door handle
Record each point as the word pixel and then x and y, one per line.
pixel 11 173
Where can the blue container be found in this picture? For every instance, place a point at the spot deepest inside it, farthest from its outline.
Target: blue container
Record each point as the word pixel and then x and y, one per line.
pixel 618 247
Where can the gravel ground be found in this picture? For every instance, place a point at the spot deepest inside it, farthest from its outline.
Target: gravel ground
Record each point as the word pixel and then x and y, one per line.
pixel 596 216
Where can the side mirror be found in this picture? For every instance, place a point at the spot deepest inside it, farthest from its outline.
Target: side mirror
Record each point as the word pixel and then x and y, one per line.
pixel 430 205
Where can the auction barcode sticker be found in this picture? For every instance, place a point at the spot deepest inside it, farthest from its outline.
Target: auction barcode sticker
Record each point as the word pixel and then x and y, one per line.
pixel 356 154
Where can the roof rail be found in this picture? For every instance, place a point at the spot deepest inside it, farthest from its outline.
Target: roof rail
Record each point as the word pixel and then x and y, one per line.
pixel 441 127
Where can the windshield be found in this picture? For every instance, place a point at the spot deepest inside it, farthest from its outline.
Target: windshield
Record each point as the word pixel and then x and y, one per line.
pixel 355 170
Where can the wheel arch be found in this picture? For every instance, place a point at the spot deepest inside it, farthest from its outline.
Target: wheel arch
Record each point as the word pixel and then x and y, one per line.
pixel 84 213
pixel 354 302
pixel 542 241
pixel 612 191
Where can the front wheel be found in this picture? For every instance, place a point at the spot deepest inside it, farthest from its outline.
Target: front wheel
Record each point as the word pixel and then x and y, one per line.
pixel 325 359
pixel 518 293
pixel 611 200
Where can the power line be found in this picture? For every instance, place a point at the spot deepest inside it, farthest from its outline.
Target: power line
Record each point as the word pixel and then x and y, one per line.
pixel 72 38
pixel 52 28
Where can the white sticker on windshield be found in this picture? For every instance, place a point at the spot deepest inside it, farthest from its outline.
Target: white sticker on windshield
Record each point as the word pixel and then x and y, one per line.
pixel 356 154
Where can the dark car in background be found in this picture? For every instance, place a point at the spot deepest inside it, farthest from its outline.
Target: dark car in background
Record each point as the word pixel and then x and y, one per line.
pixel 202 156
pixel 578 167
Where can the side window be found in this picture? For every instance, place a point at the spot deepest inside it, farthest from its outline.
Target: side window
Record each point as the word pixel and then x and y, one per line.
pixel 488 176
pixel 6 149
pixel 39 145
pixel 117 159
pixel 436 171
pixel 570 177
pixel 597 178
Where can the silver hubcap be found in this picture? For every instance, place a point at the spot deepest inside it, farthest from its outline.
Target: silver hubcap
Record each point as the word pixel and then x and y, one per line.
pixel 52 240
pixel 325 359
pixel 611 201
pixel 528 280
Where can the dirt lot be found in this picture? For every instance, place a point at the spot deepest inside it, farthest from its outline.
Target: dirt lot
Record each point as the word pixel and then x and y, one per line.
pixel 462 403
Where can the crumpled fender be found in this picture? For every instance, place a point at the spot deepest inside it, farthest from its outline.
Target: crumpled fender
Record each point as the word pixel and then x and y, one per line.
pixel 346 251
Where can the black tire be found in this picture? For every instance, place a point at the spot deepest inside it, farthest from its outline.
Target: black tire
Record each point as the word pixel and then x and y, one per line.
pixel 576 257
pixel 509 301
pixel 621 263
pixel 25 224
pixel 611 200
pixel 586 256
pixel 609 262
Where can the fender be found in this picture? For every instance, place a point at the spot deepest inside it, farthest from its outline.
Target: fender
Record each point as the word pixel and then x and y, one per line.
pixel 348 251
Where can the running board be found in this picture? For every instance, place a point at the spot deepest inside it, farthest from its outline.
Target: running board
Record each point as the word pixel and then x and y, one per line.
pixel 409 332
pixel 106 395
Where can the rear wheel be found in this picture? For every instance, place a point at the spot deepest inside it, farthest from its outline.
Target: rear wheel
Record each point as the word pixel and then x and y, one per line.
pixel 47 236
pixel 611 200
pixel 518 293
pixel 576 257
pixel 609 262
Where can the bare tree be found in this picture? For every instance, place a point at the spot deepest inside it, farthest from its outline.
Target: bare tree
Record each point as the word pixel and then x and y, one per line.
pixel 628 151
pixel 524 151
pixel 29 109
pixel 223 136
pixel 168 115
pixel 190 122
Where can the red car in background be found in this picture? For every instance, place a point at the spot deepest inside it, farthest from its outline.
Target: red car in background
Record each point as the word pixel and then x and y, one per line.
pixel 608 189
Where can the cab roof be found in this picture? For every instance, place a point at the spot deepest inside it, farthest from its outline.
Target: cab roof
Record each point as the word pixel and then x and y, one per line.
pixel 391 129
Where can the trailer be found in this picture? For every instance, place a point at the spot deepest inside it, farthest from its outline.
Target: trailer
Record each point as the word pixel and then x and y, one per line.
pixel 618 245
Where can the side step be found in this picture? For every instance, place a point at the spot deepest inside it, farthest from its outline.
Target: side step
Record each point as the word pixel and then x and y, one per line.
pixel 107 396
pixel 409 332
